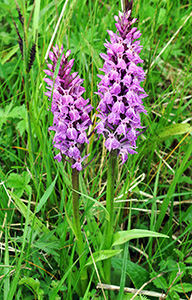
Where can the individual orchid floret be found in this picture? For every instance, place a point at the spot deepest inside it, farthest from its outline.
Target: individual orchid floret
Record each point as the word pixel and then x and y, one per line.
pixel 71 111
pixel 119 89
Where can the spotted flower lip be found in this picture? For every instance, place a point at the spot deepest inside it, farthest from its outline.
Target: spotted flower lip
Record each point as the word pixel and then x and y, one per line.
pixel 119 89
pixel 71 111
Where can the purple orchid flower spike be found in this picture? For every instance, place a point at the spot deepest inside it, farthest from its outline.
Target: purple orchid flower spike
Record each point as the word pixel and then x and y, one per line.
pixel 119 89
pixel 71 111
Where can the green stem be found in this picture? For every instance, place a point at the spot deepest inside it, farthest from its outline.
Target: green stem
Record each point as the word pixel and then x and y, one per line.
pixel 78 233
pixel 31 145
pixel 27 97
pixel 108 233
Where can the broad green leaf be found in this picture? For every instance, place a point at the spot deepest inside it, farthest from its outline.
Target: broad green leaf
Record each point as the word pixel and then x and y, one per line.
pixel 136 273
pixel 28 189
pixel 26 177
pixel 162 16
pixel 180 254
pixel 22 126
pixel 122 237
pixel 188 260
pixel 33 283
pixel 15 112
pixel 18 181
pixel 44 198
pixel 171 130
pixel 4 114
pixel 4 6
pixel 173 274
pixel 19 192
pixel 187 287
pixel 123 271
pixel 102 255
pixel 49 247
pixel 46 244
pixel 185 179
pixel 165 133
pixel 160 282
pixel 174 295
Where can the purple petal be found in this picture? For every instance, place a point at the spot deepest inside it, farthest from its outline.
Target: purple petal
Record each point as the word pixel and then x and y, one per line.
pixel 58 157
pixel 77 166
pixel 112 143
pixel 71 133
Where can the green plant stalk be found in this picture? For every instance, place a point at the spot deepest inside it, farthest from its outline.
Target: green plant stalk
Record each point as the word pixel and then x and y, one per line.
pixel 27 98
pixel 78 233
pixel 31 146
pixel 108 233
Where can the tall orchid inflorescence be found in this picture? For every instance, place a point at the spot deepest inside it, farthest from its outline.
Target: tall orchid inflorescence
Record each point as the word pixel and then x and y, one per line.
pixel 119 89
pixel 70 109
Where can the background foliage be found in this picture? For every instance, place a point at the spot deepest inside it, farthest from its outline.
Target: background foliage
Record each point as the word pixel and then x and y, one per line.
pixel 153 188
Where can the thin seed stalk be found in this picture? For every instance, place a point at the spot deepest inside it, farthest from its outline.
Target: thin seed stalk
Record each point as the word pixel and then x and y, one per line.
pixel 27 97
pixel 108 233
pixel 78 233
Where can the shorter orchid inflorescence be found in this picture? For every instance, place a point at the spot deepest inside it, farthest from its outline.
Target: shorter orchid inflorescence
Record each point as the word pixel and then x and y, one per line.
pixel 119 89
pixel 71 111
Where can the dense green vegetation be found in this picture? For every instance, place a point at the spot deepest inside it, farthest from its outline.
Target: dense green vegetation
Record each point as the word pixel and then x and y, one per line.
pixel 153 188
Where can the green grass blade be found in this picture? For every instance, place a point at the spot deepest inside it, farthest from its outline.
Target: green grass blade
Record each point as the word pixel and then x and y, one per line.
pixel 32 219
pixel 45 197
pixel 171 190
pixel 6 269
pixel 123 273
pixel 36 19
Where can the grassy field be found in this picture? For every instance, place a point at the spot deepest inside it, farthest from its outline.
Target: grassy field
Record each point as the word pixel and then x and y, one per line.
pixel 153 189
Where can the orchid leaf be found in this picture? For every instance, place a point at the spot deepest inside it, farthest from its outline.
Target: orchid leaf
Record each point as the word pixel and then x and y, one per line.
pixel 102 255
pixel 122 237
